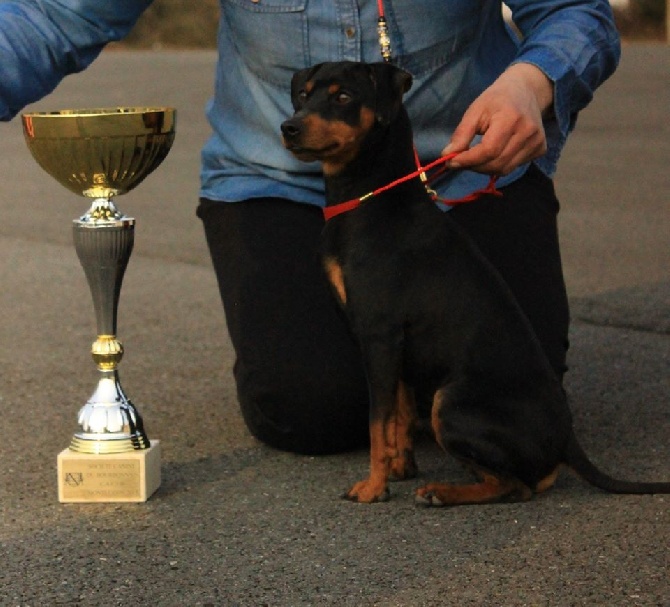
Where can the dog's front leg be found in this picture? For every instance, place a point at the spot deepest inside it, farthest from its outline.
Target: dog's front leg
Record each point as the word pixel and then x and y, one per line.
pixel 400 434
pixel 375 487
pixel 382 372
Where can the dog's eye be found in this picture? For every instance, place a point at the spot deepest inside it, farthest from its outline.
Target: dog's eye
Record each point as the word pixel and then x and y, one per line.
pixel 343 98
pixel 302 96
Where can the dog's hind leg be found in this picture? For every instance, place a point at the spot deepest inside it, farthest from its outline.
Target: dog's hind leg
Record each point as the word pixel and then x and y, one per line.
pixel 489 490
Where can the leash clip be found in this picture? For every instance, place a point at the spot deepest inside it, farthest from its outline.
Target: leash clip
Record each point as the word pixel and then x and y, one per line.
pixel 384 39
pixel 424 179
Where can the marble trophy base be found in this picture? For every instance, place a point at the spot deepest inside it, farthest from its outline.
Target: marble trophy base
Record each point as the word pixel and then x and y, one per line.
pixel 111 477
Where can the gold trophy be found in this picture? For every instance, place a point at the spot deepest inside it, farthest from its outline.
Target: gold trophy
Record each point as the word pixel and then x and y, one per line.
pixel 100 154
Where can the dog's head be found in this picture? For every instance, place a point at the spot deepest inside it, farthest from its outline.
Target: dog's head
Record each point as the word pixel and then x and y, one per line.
pixel 337 105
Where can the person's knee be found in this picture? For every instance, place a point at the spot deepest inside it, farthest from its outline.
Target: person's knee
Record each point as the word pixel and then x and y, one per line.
pixel 303 417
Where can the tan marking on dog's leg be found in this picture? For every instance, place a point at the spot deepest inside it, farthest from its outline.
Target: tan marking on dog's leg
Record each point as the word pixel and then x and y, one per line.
pixel 375 487
pixel 491 489
pixel 403 464
pixel 435 422
pixel 336 278
pixel 548 481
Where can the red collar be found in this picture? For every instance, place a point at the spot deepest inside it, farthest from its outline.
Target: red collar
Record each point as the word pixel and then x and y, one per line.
pixel 343 207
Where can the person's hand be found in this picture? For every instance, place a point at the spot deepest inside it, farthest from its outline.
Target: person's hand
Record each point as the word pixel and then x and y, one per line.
pixel 508 115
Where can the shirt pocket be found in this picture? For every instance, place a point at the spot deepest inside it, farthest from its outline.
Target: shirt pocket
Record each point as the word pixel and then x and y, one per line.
pixel 441 34
pixel 270 36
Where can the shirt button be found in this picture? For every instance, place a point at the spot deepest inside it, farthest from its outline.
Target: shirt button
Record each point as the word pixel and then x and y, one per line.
pixel 350 32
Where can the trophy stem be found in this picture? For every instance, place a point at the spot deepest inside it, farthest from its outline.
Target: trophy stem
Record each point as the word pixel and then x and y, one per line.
pixel 109 422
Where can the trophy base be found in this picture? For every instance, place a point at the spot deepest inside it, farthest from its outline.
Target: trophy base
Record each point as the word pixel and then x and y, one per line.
pixel 114 477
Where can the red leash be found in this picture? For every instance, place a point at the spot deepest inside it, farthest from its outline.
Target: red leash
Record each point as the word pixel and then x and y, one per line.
pixel 343 207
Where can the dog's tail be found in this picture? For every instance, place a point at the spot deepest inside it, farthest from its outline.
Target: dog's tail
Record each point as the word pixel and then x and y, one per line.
pixel 576 458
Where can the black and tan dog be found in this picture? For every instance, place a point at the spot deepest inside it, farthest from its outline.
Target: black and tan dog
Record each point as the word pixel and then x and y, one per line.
pixel 426 306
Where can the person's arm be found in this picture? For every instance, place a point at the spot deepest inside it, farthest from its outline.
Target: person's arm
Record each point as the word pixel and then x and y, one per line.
pixel 568 50
pixel 42 41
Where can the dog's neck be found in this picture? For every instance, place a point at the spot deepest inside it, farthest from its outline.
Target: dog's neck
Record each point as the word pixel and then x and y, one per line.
pixel 386 154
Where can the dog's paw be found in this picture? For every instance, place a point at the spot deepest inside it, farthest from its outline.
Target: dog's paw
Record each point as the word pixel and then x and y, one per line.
pixel 368 492
pixel 425 497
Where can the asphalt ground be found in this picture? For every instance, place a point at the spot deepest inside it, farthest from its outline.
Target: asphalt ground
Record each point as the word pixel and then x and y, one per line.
pixel 237 523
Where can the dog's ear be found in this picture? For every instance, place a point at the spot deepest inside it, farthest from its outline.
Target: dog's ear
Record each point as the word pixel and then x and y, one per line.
pixel 299 80
pixel 391 83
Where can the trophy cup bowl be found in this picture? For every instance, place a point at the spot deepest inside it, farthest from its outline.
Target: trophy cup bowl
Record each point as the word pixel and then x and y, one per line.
pixel 100 154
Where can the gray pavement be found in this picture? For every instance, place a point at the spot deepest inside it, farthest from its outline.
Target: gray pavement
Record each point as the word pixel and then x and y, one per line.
pixel 236 523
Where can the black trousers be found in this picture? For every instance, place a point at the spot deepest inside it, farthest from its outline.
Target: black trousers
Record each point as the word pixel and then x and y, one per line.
pixel 299 378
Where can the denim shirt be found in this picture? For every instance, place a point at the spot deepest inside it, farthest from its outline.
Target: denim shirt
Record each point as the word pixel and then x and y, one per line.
pixel 453 48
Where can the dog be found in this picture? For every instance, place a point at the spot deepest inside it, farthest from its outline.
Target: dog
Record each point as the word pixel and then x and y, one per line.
pixel 428 310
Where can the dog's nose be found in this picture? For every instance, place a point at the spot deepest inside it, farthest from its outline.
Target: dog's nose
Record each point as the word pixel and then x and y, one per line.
pixel 291 128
